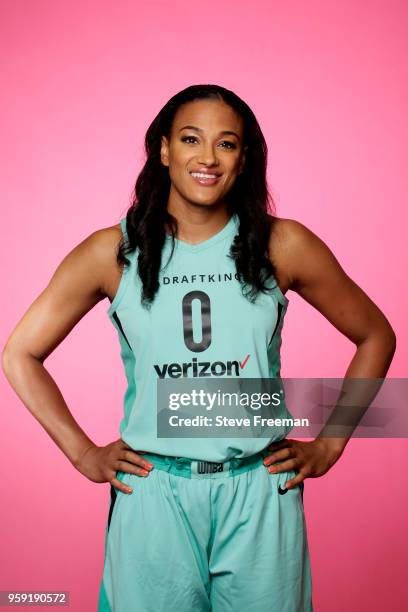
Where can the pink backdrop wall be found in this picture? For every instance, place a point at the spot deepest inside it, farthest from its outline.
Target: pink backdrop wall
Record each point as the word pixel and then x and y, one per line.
pixel 83 80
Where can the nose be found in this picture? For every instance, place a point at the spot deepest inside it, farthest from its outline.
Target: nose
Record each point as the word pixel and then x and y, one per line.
pixel 207 156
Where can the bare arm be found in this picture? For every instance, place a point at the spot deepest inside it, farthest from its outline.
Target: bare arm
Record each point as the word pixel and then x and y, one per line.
pixel 306 265
pixel 314 273
pixel 323 283
pixel 76 287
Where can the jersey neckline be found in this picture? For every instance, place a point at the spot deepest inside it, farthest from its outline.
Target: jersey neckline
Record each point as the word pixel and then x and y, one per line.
pixel 230 228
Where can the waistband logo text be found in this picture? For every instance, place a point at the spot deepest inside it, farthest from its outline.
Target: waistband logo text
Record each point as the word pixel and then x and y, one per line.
pixel 207 467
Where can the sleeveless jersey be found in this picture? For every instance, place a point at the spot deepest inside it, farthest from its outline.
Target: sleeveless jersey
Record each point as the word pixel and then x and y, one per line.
pixel 198 322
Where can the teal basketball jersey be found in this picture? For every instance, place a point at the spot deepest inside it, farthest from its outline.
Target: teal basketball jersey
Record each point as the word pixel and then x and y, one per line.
pixel 199 325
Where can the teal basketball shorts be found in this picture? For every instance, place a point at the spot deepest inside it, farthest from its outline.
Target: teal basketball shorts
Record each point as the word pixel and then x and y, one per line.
pixel 196 536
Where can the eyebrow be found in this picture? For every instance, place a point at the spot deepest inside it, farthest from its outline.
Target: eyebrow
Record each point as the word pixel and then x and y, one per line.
pixel 197 129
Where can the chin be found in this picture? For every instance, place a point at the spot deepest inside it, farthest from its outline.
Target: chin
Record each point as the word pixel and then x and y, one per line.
pixel 203 201
pixel 203 204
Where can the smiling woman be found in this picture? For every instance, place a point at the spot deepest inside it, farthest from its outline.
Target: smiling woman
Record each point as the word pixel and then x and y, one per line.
pixel 205 176
pixel 206 155
pixel 196 274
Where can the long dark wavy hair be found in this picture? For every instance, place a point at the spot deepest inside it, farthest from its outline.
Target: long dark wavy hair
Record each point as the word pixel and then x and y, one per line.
pixel 249 198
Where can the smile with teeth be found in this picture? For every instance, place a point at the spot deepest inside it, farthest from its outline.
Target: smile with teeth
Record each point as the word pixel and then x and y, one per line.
pixel 203 175
pixel 204 178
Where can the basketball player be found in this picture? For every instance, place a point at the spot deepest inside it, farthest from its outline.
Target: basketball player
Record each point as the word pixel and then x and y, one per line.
pixel 197 274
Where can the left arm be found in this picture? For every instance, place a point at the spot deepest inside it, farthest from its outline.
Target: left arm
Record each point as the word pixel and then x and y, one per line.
pixel 311 269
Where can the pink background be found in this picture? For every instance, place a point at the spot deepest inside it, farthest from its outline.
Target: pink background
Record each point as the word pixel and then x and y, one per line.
pixel 328 84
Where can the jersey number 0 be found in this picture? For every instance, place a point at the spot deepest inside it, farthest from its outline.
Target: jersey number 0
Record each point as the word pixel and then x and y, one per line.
pixel 205 304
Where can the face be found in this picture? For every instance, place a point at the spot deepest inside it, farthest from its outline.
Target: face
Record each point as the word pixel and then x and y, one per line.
pixel 206 138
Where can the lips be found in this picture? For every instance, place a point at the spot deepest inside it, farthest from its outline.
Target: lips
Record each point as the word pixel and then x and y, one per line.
pixel 203 180
pixel 206 171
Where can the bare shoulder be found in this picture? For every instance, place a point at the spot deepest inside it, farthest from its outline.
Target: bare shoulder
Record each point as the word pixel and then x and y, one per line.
pixel 306 264
pixel 288 240
pixel 90 259
pixel 298 253
pixel 78 283
pixel 104 245
pixel 289 232
pixel 93 262
pixel 104 241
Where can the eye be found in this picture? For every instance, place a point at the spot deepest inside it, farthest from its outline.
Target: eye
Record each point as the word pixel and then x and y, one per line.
pixel 185 138
pixel 230 145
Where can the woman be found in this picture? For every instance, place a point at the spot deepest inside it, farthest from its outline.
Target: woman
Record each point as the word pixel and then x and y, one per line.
pixel 197 290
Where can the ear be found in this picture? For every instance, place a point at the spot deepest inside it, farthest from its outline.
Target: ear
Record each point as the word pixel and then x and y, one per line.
pixel 164 151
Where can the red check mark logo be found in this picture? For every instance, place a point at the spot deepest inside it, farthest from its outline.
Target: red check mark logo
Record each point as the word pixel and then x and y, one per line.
pixel 243 364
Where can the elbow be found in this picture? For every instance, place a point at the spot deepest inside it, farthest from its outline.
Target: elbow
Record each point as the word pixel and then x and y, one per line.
pixel 9 359
pixel 13 356
pixel 6 360
pixel 383 338
pixel 392 341
pixel 388 340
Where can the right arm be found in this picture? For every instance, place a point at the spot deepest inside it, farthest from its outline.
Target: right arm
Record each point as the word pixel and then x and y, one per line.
pixel 76 287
